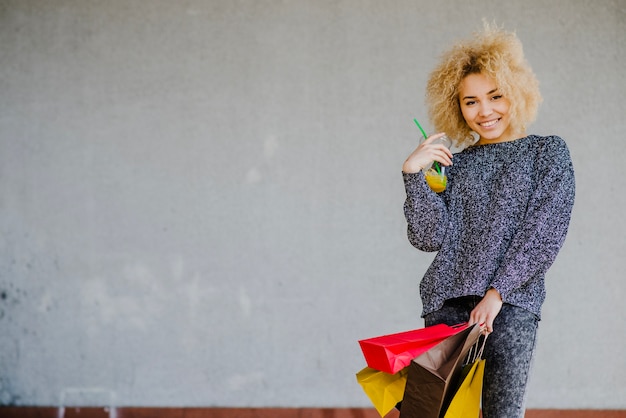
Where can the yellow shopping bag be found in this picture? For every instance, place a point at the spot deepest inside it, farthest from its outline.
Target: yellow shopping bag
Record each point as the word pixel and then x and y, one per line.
pixel 384 390
pixel 466 401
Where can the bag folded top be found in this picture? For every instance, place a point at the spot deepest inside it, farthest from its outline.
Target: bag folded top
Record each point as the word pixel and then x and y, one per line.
pixel 393 352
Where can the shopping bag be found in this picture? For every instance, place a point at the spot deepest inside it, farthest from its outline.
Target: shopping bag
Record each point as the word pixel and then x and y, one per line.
pixel 384 390
pixel 392 353
pixel 432 375
pixel 466 401
pixel 466 397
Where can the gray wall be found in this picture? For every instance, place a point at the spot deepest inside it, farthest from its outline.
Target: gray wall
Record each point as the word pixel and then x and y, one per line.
pixel 201 201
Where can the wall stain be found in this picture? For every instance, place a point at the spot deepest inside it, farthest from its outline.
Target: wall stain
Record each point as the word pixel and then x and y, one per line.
pixel 7 398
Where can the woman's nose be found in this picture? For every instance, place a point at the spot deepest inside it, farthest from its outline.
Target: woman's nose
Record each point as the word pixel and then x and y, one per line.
pixel 485 109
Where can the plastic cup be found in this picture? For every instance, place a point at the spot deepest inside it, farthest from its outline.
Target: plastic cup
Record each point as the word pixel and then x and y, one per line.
pixel 435 173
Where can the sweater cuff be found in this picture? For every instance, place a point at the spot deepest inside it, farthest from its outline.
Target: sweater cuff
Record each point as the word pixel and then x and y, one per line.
pixel 412 179
pixel 415 184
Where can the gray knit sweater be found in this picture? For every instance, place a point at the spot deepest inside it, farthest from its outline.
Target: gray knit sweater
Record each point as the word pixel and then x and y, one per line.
pixel 500 223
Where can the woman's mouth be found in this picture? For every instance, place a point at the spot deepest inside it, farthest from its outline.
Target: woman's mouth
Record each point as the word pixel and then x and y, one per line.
pixel 489 123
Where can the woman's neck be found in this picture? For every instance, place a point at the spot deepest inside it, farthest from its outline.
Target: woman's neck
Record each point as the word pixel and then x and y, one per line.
pixel 506 137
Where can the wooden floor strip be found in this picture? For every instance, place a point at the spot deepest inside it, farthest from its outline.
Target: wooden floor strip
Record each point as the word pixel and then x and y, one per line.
pixel 141 412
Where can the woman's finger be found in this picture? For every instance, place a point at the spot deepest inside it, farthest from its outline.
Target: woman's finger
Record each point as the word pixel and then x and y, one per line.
pixel 433 137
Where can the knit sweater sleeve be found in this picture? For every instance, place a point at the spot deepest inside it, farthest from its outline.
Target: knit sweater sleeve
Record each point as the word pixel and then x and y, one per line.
pixel 426 213
pixel 536 244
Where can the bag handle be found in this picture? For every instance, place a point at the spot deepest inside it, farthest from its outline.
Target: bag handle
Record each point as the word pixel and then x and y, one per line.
pixel 475 352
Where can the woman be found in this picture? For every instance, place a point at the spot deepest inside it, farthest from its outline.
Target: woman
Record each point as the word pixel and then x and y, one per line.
pixel 504 216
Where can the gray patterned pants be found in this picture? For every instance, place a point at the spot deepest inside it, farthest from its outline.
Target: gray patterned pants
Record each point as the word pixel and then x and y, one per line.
pixel 509 352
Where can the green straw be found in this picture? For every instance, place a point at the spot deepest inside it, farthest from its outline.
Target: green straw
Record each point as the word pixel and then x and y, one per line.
pixel 425 137
pixel 421 129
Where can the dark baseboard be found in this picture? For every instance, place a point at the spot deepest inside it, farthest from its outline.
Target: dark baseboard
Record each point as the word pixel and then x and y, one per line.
pixel 132 412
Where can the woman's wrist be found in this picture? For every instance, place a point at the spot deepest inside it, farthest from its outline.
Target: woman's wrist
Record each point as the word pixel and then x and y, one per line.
pixel 407 167
pixel 494 292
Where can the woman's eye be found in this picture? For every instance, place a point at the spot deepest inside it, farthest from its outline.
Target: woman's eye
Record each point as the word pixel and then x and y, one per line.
pixel 469 103
pixel 497 97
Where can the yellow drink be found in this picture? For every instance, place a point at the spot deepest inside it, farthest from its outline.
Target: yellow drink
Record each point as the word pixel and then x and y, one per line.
pixel 436 181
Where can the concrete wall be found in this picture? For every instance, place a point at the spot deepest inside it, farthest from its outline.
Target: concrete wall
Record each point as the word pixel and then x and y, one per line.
pixel 201 201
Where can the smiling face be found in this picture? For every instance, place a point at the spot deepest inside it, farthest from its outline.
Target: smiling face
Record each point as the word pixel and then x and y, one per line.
pixel 486 110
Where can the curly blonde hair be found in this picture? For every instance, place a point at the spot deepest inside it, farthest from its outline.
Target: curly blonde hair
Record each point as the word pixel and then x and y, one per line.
pixel 495 53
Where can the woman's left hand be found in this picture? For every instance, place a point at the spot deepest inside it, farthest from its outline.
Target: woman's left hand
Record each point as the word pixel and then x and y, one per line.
pixel 487 309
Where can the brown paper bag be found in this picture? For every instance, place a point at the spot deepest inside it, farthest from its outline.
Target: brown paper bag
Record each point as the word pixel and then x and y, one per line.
pixel 433 376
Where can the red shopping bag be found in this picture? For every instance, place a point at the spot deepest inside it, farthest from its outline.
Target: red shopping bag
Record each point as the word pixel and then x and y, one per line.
pixel 391 353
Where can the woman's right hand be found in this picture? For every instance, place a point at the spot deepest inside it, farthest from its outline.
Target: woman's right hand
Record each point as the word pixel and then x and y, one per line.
pixel 427 152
